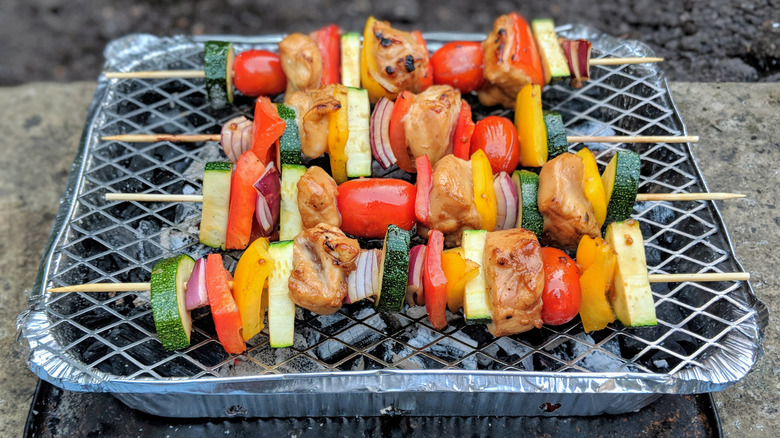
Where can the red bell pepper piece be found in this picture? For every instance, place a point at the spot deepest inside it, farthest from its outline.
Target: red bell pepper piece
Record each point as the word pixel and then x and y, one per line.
pixel 329 42
pixel 396 131
pixel 422 208
pixel 526 54
pixel 427 80
pixel 243 198
pixel 268 127
pixel 461 141
pixel 224 311
pixel 434 281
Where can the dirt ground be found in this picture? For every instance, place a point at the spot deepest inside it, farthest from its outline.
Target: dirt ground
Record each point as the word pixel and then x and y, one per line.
pixel 62 40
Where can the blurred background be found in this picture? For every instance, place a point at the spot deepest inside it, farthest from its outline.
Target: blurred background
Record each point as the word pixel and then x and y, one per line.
pixel 63 40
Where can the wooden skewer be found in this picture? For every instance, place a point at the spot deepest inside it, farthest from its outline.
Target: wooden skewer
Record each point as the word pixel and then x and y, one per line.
pixel 155 74
pixel 654 278
pixel 197 138
pixel 621 61
pixel 150 197
pixel 633 139
pixel 167 74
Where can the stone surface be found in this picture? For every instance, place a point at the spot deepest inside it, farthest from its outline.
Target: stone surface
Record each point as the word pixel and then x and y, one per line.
pixel 41 125
pixel 738 151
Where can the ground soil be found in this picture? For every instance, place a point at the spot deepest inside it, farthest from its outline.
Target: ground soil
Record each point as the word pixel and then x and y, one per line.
pixel 62 40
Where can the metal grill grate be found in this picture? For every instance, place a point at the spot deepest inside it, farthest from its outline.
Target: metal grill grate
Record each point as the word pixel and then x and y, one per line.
pixel 111 336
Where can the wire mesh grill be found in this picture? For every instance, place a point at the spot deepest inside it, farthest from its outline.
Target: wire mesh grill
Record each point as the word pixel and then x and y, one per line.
pixel 112 336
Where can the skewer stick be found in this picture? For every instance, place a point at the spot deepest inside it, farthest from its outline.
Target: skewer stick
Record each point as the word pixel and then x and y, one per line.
pixel 621 61
pixel 654 278
pixel 153 138
pixel 197 138
pixel 150 197
pixel 633 139
pixel 155 74
pixel 167 74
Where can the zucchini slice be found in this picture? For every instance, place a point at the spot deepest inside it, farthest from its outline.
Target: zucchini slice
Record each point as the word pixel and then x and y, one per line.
pixel 528 215
pixel 216 203
pixel 290 222
pixel 557 141
pixel 168 285
pixel 554 63
pixel 631 298
pixel 290 141
pixel 358 148
pixel 218 66
pixel 621 183
pixel 281 309
pixel 394 270
pixel 475 301
pixel 350 59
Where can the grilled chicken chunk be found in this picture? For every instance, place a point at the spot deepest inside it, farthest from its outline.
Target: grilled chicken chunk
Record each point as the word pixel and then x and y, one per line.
pixel 323 257
pixel 430 122
pixel 452 198
pixel 568 215
pixel 401 59
pixel 515 280
pixel 502 80
pixel 313 107
pixel 317 192
pixel 301 61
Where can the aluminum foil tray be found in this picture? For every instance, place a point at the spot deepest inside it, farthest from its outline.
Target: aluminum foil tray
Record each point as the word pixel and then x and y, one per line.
pixel 357 361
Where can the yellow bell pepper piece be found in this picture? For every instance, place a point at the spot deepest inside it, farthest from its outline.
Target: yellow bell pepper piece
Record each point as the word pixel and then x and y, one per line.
pixel 338 133
pixel 599 262
pixel 531 130
pixel 368 64
pixel 594 188
pixel 249 282
pixel 459 270
pixel 484 196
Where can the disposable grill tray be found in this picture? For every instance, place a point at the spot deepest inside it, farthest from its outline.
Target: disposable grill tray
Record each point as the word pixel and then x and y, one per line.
pixel 358 361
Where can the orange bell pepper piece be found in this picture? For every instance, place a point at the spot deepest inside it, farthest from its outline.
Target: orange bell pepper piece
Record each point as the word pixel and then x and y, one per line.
pixel 267 129
pixel 249 283
pixel 227 319
pixel 459 270
pixel 243 197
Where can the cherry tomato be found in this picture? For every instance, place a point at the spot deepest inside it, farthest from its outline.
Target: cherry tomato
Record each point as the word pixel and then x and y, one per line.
pixel 497 137
pixel 561 295
pixel 369 205
pixel 459 64
pixel 258 73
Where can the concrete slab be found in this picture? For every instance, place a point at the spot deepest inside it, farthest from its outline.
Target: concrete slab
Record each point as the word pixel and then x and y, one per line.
pixel 738 151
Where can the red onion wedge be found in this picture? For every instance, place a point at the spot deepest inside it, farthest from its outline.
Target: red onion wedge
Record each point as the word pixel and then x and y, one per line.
pixel 578 54
pixel 269 200
pixel 236 137
pixel 195 295
pixel 379 133
pixel 414 287
pixel 361 283
pixel 507 199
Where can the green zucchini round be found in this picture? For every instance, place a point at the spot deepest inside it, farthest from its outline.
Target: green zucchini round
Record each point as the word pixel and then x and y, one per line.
pixel 394 270
pixel 168 285
pixel 218 66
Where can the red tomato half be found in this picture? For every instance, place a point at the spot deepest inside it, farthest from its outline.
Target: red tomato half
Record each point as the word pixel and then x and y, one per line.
pixel 497 137
pixel 258 73
pixel 369 205
pixel 561 296
pixel 459 64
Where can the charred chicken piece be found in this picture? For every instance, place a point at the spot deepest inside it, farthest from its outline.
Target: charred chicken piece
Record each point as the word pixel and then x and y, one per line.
pixel 430 122
pixel 301 62
pixel 323 258
pixel 515 280
pixel 317 192
pixel 401 59
pixel 503 80
pixel 313 107
pixel 568 215
pixel 452 199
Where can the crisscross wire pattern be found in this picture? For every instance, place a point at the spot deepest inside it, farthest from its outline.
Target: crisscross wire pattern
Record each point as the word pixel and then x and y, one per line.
pixel 711 331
